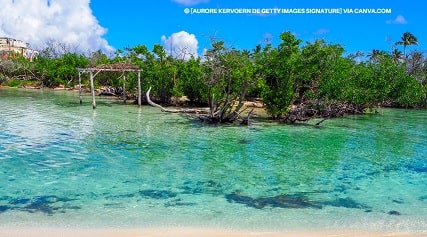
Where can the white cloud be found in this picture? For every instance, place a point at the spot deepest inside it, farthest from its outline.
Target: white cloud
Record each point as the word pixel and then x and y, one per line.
pixel 190 2
pixel 398 20
pixel 267 39
pixel 322 31
pixel 39 21
pixel 181 44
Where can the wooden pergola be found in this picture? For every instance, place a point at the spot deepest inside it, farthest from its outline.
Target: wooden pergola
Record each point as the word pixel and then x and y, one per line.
pixel 119 67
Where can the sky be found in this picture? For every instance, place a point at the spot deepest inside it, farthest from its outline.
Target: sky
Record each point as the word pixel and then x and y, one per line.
pixel 186 27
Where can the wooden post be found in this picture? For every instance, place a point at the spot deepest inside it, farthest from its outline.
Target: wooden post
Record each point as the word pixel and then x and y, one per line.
pixel 92 88
pixel 139 88
pixel 124 89
pixel 80 87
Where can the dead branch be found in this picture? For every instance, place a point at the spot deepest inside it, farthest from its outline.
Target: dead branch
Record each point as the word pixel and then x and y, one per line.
pixel 163 109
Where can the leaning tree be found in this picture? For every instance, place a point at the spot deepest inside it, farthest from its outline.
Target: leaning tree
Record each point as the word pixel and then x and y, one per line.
pixel 229 73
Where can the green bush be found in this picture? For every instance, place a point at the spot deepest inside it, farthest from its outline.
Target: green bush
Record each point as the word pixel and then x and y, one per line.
pixel 13 83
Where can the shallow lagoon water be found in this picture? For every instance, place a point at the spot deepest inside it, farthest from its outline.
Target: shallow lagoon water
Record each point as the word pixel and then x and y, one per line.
pixel 64 164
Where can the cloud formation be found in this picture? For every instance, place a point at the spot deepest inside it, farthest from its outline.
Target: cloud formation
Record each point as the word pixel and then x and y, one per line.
pixel 398 20
pixel 181 45
pixel 190 2
pixel 322 31
pixel 40 21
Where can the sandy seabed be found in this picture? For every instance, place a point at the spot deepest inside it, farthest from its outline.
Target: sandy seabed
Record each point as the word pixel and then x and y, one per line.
pixel 183 232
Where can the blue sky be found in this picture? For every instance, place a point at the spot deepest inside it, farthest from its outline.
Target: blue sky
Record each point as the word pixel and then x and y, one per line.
pixel 133 22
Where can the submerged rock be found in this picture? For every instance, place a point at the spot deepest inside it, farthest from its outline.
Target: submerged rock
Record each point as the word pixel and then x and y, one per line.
pixel 238 198
pixel 394 213
pixel 294 201
pixel 157 194
pixel 49 204
pixel 4 208
pixel 281 201
pixel 345 202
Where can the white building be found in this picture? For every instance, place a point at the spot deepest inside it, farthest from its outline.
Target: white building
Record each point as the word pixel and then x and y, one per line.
pixel 10 47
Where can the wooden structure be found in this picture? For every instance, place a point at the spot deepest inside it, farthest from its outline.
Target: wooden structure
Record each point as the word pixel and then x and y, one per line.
pixel 120 67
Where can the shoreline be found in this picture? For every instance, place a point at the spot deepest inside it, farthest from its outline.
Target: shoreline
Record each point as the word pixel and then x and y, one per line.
pixel 187 232
pixel 256 105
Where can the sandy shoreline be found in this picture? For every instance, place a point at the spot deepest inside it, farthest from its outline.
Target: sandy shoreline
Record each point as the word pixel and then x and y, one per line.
pixel 187 232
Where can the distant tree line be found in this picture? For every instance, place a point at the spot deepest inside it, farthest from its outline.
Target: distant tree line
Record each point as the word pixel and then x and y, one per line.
pixel 295 80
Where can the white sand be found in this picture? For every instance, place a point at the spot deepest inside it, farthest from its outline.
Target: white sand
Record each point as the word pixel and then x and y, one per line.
pixel 182 232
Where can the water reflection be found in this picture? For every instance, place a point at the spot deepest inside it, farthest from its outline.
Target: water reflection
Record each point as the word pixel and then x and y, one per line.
pixel 73 162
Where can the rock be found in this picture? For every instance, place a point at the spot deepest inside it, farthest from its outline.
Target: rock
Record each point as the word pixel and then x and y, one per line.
pixel 394 213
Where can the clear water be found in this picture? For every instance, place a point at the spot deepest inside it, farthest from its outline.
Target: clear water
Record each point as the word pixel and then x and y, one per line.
pixel 64 164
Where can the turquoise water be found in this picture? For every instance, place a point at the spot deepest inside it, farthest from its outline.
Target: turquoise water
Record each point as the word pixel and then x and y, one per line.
pixel 64 164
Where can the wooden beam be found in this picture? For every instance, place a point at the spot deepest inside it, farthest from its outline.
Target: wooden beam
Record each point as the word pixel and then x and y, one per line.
pixel 92 88
pixel 124 89
pixel 80 87
pixel 139 88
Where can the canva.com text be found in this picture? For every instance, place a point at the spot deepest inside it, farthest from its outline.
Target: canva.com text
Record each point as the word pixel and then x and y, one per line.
pixel 287 11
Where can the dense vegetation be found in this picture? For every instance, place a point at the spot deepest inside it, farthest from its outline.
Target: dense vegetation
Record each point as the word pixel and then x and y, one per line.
pixel 295 80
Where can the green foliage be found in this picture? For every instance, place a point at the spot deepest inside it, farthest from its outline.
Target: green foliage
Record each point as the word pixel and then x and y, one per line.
pixel 165 78
pixel 407 39
pixel 189 80
pixel 318 59
pixel 59 71
pixel 14 83
pixel 98 58
pixel 424 96
pixel 228 74
pixel 283 75
pixel 370 84
pixel 410 93
pixel 159 70
pixel 142 58
pixel 280 68
pixel 336 82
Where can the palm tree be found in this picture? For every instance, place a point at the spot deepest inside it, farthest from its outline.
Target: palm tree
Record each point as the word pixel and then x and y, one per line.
pixel 357 57
pixel 397 55
pixel 407 39
pixel 376 55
